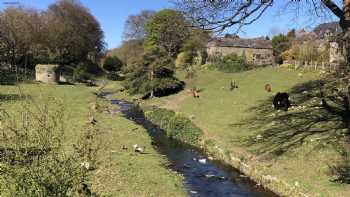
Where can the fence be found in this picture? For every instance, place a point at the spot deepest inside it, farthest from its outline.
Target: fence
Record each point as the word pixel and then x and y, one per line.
pixel 326 66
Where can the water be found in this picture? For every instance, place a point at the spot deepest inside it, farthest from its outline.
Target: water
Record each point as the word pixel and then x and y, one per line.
pixel 203 178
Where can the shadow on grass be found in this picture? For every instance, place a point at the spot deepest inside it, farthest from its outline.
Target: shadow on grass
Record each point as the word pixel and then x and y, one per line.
pixel 11 78
pixel 12 97
pixel 276 132
pixel 65 83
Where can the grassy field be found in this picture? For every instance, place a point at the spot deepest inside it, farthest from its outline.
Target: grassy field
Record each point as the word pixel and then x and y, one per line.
pixel 296 146
pixel 121 172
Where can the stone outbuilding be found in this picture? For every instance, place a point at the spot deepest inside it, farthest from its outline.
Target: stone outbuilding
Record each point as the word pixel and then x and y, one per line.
pixel 47 73
pixel 257 51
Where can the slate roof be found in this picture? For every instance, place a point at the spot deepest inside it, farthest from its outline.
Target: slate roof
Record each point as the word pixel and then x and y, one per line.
pixel 255 43
pixel 323 28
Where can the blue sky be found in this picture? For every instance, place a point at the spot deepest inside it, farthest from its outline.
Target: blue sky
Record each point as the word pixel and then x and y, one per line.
pixel 112 14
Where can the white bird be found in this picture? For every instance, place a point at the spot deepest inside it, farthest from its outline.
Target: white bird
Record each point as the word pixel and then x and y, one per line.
pixel 139 149
pixel 202 161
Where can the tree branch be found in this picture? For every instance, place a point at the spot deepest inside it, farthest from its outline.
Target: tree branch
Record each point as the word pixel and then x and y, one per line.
pixel 334 8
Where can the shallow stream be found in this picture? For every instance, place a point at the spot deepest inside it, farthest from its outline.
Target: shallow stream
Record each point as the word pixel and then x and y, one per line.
pixel 202 177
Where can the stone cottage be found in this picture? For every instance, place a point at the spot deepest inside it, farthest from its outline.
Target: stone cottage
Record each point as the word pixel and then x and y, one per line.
pixel 47 73
pixel 257 51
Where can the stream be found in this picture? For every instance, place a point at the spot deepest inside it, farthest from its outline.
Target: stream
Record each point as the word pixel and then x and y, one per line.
pixel 202 177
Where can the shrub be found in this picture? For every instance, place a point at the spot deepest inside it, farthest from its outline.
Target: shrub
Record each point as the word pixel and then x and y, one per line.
pixel 280 43
pixel 341 170
pixel 229 63
pixel 180 61
pixel 115 76
pixel 33 159
pixel 176 126
pixel 182 128
pixel 112 64
pixel 81 74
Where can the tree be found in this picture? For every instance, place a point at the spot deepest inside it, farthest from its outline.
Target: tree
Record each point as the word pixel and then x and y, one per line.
pixel 166 29
pixel 65 34
pixel 153 76
pixel 19 36
pixel 130 52
pixel 220 15
pixel 280 43
pixel 135 25
pixel 112 64
pixel 73 33
pixel 195 46
pixel 291 33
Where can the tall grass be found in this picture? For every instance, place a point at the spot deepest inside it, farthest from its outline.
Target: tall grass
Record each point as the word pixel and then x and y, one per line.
pixel 33 158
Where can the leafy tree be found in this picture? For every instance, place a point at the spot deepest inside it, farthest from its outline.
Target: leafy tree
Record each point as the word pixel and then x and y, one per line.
pixel 154 75
pixel 166 29
pixel 195 46
pixel 73 33
pixel 112 64
pixel 280 43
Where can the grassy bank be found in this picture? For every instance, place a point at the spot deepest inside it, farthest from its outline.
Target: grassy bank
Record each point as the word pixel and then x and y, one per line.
pixel 296 146
pixel 120 172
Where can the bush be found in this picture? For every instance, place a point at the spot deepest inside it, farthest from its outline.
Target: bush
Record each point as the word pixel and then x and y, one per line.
pixel 180 61
pixel 112 64
pixel 229 63
pixel 176 126
pixel 81 74
pixel 33 159
pixel 115 76
pixel 341 170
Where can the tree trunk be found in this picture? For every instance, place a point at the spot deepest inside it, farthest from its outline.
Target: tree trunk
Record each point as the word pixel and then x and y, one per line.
pixel 151 79
pixel 345 25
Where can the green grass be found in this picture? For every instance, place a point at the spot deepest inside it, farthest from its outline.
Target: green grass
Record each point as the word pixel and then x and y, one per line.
pixel 297 146
pixel 121 172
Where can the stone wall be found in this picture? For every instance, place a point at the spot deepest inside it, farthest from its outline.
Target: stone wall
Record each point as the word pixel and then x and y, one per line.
pixel 335 54
pixel 254 56
pixel 47 73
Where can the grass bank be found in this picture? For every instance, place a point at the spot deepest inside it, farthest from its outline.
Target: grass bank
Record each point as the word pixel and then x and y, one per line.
pixel 292 148
pixel 121 172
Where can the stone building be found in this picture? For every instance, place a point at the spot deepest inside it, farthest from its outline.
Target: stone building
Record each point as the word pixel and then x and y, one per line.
pixel 47 73
pixel 257 51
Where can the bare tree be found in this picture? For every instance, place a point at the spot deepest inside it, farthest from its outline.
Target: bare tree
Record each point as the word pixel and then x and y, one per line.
pixel 222 14
pixel 135 25
pixel 19 31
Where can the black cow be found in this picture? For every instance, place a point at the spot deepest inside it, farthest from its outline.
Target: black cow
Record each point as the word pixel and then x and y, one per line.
pixel 281 101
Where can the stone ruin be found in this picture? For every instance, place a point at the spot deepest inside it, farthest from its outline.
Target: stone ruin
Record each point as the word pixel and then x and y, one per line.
pixel 335 54
pixel 47 73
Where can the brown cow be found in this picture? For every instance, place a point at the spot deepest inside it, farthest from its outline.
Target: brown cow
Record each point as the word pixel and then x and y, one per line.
pixel 268 88
pixel 195 93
